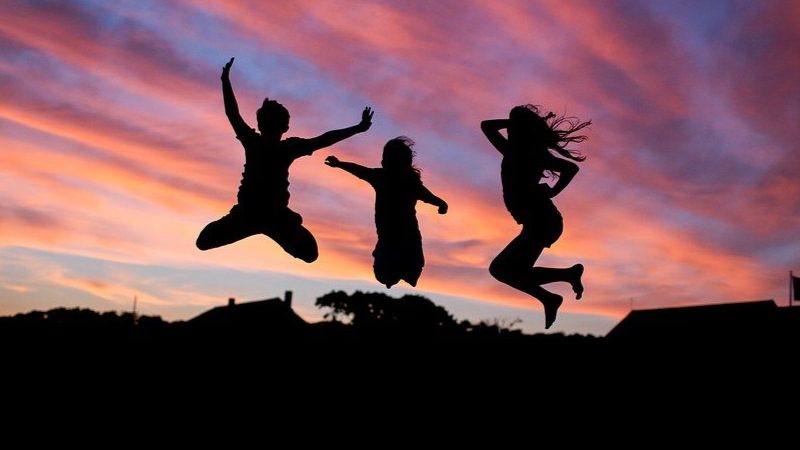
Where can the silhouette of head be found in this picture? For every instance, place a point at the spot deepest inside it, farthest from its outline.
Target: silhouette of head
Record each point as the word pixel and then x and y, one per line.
pixel 397 154
pixel 272 117
pixel 527 127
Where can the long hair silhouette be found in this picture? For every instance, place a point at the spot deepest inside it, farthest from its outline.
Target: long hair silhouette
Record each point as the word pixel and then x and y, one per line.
pixel 529 156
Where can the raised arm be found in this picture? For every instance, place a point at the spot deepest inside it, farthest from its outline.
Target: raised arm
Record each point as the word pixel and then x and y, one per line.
pixel 491 128
pixel 356 169
pixel 231 106
pixel 566 172
pixel 334 136
pixel 428 197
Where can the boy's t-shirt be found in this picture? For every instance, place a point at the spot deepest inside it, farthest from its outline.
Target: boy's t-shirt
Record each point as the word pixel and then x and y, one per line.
pixel 265 179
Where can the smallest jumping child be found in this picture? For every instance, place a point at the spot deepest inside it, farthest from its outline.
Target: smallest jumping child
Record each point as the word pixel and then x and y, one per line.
pixel 398 185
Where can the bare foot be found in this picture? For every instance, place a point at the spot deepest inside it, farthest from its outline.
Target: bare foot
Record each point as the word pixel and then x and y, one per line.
pixel 577 285
pixel 551 304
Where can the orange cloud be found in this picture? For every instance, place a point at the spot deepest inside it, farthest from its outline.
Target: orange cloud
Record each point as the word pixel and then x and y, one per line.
pixel 119 149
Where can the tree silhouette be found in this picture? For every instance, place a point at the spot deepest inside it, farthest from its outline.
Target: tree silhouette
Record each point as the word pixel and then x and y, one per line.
pixel 377 310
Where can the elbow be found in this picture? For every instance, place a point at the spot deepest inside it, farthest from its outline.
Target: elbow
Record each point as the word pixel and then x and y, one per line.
pixel 573 172
pixel 571 169
pixel 487 129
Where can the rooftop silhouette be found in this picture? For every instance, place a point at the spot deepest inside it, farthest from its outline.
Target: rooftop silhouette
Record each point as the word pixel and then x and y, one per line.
pixel 269 315
pixel 712 324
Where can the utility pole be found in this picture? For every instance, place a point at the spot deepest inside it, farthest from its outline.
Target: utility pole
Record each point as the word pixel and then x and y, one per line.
pixel 134 309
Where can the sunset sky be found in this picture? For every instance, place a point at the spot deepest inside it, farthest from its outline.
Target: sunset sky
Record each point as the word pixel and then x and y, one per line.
pixel 115 150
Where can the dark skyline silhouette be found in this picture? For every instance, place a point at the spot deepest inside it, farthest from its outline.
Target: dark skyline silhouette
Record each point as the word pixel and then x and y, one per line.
pixel 375 313
pixel 392 351
pixel 379 347
pixel 369 313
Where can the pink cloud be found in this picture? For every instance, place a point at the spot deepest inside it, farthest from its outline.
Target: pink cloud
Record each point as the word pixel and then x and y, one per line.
pixel 124 57
pixel 689 172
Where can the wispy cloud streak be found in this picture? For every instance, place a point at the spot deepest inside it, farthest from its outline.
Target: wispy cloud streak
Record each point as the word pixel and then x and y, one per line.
pixel 114 145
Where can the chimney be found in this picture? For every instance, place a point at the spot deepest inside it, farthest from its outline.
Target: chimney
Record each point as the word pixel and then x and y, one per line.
pixel 231 301
pixel 287 298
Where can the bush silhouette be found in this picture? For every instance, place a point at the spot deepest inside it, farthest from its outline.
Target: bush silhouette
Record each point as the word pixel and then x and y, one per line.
pixel 373 311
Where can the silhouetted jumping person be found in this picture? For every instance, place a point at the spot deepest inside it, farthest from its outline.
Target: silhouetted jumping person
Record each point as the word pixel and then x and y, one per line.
pixel 527 159
pixel 263 198
pixel 398 185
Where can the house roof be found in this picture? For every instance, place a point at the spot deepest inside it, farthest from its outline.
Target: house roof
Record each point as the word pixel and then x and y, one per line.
pixel 270 314
pixel 693 322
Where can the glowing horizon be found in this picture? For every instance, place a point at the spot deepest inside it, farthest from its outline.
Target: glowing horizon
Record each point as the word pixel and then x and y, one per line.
pixel 116 150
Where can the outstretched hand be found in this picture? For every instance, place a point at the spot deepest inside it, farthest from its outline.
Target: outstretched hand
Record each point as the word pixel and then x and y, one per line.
pixel 227 69
pixel 366 118
pixel 443 207
pixel 332 161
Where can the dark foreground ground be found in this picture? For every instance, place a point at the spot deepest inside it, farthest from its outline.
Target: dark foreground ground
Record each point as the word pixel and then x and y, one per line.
pixel 396 378
pixel 332 353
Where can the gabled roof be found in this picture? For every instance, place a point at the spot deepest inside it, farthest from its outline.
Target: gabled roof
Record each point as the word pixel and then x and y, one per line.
pixel 268 315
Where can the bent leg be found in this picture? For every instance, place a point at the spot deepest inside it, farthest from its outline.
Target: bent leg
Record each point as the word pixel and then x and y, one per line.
pixel 398 258
pixel 513 266
pixel 571 275
pixel 516 260
pixel 412 277
pixel 224 231
pixel 412 270
pixel 384 264
pixel 296 240
pixel 385 277
pixel 391 274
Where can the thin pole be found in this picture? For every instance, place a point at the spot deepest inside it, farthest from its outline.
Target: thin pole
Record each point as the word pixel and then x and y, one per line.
pixel 791 286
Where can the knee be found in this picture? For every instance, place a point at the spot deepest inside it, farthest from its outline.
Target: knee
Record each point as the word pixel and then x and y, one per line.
pixel 387 281
pixel 413 277
pixel 308 255
pixel 500 270
pixel 496 270
pixel 203 243
pixel 385 277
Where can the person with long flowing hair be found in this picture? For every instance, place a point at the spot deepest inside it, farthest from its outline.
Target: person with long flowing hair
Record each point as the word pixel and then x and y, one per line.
pixel 534 150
